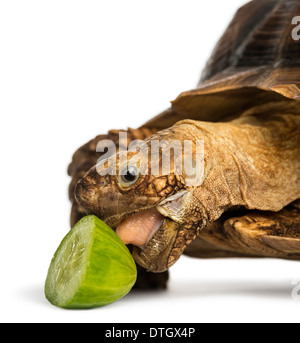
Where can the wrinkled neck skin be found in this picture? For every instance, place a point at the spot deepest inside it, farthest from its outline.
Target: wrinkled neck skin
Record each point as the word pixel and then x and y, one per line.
pixel 253 161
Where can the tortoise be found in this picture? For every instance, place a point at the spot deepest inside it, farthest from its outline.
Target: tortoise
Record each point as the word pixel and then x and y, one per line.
pixel 246 111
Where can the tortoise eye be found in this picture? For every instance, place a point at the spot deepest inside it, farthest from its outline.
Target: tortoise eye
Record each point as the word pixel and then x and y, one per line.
pixel 129 176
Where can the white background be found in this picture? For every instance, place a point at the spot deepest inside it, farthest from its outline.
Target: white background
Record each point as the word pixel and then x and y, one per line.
pixel 70 70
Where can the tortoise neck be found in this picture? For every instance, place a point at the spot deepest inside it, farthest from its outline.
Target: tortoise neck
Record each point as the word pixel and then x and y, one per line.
pixel 253 161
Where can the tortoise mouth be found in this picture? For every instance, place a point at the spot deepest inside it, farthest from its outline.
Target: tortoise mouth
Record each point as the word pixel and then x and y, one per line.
pixel 138 229
pixel 151 234
pixel 115 220
pixel 158 254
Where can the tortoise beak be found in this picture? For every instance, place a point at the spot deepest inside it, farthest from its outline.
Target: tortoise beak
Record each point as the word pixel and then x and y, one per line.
pixel 155 257
pixel 86 194
pixel 175 206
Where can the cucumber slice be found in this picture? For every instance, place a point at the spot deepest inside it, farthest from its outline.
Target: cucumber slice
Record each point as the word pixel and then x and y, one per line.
pixel 92 267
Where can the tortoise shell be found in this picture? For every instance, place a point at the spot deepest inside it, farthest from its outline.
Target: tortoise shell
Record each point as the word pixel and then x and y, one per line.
pixel 256 61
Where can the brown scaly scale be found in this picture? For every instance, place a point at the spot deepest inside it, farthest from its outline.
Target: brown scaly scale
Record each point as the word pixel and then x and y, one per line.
pixel 246 110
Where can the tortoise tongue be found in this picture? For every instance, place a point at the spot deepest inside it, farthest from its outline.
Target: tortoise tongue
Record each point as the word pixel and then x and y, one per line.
pixel 139 228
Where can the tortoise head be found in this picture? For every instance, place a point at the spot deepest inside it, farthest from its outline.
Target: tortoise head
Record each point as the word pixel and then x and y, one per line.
pixel 144 199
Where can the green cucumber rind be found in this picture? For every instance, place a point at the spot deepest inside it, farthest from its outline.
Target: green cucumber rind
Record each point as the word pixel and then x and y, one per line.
pixel 100 283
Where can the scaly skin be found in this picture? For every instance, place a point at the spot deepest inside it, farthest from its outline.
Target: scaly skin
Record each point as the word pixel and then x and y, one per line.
pixel 253 162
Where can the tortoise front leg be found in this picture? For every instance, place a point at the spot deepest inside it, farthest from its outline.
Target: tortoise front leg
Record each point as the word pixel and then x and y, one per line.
pixel 256 234
pixel 147 281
